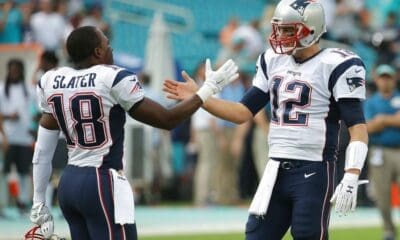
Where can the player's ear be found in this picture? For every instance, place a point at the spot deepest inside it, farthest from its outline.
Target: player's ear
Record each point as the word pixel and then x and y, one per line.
pixel 98 52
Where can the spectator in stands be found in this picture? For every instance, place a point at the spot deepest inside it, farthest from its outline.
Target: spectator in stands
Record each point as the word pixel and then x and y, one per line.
pixel 242 146
pixel 62 8
pixel 251 36
pixel 382 112
pixel 378 15
pixel 11 22
pixel 4 148
pixel 48 60
pixel 246 45
pixel 47 26
pixel 14 99
pixel 344 27
pixel 260 140
pixel 73 22
pixel 95 18
pixel 179 139
pixel 389 39
pixel 227 168
pixel 225 36
pixel 159 149
pixel 203 137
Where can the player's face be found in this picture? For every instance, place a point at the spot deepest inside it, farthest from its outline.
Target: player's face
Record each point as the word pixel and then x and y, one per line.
pixel 107 55
pixel 286 31
pixel 283 38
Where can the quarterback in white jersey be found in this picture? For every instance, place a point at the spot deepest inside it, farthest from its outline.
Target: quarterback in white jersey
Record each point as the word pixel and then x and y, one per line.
pixel 304 116
pixel 88 103
pixel 310 89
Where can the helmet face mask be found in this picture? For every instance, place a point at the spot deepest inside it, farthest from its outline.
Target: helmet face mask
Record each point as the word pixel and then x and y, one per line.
pixel 296 24
pixel 285 38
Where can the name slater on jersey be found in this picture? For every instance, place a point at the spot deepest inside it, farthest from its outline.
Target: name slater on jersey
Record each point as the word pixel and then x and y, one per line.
pixel 86 80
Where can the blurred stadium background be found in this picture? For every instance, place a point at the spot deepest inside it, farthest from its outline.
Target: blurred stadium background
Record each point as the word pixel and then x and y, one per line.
pixel 163 37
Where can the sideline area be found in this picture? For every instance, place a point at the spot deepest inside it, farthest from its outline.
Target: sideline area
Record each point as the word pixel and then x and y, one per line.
pixel 152 221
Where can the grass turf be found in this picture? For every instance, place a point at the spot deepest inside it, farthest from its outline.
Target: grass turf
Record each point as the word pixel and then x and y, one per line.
pixel 372 233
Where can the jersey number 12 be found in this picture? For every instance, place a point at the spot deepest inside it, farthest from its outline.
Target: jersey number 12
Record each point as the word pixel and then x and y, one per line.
pixel 302 100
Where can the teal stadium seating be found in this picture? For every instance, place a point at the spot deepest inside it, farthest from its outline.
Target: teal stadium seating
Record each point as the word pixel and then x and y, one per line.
pixel 188 47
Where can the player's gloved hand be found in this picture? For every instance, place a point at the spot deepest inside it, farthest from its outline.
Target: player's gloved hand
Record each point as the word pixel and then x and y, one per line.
pixel 47 228
pixel 216 80
pixel 345 195
pixel 40 214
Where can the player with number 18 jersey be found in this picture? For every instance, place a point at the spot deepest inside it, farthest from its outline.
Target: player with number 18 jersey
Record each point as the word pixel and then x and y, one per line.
pixel 90 105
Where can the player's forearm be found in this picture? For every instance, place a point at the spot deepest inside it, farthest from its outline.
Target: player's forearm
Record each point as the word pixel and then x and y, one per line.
pixel 230 111
pixel 359 132
pixel 152 113
pixel 182 111
pixel 41 176
pixel 42 168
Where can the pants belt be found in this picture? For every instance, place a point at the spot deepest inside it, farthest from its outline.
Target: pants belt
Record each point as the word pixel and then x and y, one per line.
pixel 288 164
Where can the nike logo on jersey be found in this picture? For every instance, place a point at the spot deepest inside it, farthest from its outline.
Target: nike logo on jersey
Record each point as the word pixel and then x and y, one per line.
pixel 309 175
pixel 355 82
pixel 358 70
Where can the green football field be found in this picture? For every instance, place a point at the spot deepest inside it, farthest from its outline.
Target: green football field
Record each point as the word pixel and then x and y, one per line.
pixel 337 234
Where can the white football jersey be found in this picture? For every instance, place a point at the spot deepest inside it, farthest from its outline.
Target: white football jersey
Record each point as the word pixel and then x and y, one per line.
pixel 304 115
pixel 89 105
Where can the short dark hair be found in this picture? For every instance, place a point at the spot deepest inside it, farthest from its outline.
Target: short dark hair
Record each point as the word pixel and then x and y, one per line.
pixel 82 42
pixel 50 57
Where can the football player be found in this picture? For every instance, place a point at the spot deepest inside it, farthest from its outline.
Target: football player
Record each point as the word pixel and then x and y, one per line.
pixel 88 103
pixel 310 90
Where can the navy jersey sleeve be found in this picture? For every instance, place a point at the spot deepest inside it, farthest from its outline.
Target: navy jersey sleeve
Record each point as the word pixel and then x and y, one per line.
pixel 255 99
pixel 351 111
pixel 261 77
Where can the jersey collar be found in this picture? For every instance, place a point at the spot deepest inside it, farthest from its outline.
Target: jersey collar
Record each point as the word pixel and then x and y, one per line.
pixel 306 60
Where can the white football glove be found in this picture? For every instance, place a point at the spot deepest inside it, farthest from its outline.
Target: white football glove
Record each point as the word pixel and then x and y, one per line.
pixel 345 195
pixel 216 80
pixel 40 214
pixel 47 228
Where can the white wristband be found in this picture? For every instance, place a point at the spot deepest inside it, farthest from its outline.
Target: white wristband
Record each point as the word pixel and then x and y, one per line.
pixel 204 92
pixel 356 153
